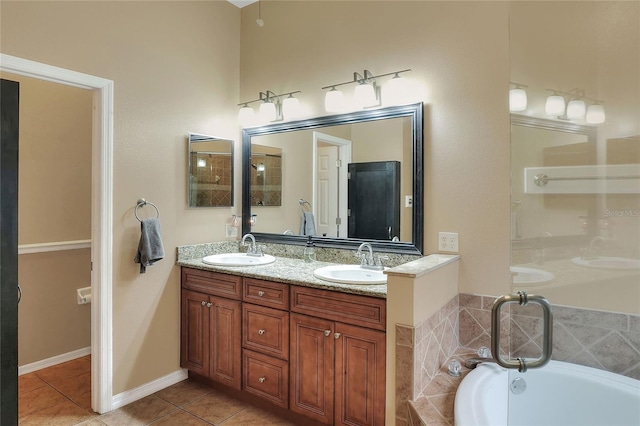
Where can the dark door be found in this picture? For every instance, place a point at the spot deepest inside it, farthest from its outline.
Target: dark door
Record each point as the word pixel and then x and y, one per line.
pixel 9 101
pixel 374 200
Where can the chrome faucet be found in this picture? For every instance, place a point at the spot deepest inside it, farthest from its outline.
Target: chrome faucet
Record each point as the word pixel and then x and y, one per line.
pixel 368 261
pixel 252 249
pixel 596 245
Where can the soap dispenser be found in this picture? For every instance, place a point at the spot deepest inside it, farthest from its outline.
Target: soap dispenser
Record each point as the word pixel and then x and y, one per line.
pixel 309 254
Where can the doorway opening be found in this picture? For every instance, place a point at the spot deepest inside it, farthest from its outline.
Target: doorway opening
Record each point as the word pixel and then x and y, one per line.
pixel 101 214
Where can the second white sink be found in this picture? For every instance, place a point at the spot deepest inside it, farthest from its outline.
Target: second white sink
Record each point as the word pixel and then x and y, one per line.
pixel 608 262
pixel 350 274
pixel 237 259
pixel 529 276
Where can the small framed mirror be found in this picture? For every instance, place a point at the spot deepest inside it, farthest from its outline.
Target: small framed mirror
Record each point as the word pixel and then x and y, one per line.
pixel 210 177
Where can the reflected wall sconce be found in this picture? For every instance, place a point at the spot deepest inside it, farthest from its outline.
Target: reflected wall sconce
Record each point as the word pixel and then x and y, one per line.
pixel 517 97
pixel 271 109
pixel 253 219
pixel 366 94
pixel 576 107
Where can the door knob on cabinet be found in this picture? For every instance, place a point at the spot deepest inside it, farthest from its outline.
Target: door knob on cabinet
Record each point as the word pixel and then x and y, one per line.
pixel 204 303
pixel 209 305
pixel 262 379
pixel 327 333
pixel 336 335
pixel 261 293
pixel 261 332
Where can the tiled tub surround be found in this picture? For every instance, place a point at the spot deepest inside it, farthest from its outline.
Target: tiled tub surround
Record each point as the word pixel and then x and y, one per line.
pixel 604 340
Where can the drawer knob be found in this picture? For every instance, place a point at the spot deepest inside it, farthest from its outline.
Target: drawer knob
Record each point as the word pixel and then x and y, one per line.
pixel 327 333
pixel 262 379
pixel 336 335
pixel 209 304
pixel 261 332
pixel 261 293
pixel 204 303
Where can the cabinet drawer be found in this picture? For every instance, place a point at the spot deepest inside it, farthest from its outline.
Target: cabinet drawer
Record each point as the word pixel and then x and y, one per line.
pixel 266 377
pixel 265 330
pixel 352 309
pixel 213 283
pixel 266 293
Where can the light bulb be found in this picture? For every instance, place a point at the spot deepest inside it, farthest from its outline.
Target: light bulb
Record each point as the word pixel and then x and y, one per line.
pixel 268 111
pixel 554 105
pixel 595 114
pixel 364 95
pixel 334 101
pixel 517 99
pixel 290 107
pixel 576 109
pixel 396 90
pixel 245 115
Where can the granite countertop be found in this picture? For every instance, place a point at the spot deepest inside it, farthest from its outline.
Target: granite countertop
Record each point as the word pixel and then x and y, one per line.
pixel 290 271
pixel 289 268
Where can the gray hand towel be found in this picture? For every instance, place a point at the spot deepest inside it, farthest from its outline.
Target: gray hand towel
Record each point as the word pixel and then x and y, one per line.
pixel 308 225
pixel 150 248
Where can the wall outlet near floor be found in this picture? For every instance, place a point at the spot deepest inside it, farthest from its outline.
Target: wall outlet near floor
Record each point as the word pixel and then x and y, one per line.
pixel 448 241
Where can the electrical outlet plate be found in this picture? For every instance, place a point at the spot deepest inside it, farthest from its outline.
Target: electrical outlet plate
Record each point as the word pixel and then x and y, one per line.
pixel 231 231
pixel 448 241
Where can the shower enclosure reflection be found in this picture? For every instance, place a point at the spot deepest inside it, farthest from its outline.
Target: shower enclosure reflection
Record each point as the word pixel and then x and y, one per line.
pixel 210 171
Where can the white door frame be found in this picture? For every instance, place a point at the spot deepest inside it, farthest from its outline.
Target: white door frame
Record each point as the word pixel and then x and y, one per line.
pixel 344 154
pixel 101 216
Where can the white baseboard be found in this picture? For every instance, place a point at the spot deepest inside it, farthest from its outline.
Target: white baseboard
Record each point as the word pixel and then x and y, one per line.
pixel 55 360
pixel 127 397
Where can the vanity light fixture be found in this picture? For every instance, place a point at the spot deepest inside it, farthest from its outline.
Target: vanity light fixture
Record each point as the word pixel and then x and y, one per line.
pixel 576 108
pixel 517 98
pixel 595 114
pixel 366 93
pixel 555 104
pixel 271 108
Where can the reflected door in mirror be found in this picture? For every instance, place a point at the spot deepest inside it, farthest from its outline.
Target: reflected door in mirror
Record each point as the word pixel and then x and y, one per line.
pixel 374 200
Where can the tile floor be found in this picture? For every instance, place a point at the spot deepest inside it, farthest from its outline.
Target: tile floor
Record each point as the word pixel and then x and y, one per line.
pixel 61 396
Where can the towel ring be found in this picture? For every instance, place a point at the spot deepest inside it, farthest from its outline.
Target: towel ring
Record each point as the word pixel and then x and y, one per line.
pixel 142 202
pixel 302 204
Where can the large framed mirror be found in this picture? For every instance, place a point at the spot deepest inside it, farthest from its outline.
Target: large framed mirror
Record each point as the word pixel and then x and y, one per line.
pixel 344 179
pixel 210 177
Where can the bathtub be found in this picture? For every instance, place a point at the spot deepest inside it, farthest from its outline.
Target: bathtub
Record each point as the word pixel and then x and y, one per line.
pixel 558 394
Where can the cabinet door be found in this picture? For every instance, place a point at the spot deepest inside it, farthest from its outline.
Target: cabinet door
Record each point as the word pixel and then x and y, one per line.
pixel 311 363
pixel 194 333
pixel 360 376
pixel 225 318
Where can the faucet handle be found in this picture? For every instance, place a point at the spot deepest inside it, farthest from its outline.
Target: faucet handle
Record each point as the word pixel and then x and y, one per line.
pixel 380 258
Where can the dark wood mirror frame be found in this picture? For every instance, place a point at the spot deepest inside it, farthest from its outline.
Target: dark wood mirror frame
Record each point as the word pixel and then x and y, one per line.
pixel 412 111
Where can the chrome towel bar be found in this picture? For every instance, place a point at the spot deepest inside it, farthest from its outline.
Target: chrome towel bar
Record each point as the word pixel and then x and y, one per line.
pixel 522 298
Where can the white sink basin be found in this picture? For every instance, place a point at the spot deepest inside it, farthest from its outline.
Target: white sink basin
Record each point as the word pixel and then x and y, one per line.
pixel 529 276
pixel 350 274
pixel 237 259
pixel 608 262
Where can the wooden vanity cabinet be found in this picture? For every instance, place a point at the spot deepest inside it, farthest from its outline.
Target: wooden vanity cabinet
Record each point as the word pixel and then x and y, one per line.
pixel 337 369
pixel 265 340
pixel 319 355
pixel 211 326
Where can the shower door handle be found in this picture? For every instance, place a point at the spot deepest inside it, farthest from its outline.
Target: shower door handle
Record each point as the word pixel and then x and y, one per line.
pixel 522 298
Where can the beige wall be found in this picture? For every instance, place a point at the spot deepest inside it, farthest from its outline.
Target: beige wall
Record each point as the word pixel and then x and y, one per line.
pixel 175 67
pixel 459 54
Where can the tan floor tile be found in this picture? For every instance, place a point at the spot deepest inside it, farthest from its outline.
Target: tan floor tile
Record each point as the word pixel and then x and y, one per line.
pixel 184 392
pixel 66 413
pixel 65 370
pixel 29 382
pixel 140 412
pixel 181 418
pixel 215 407
pixel 37 400
pixel 93 422
pixel 251 416
pixel 76 388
